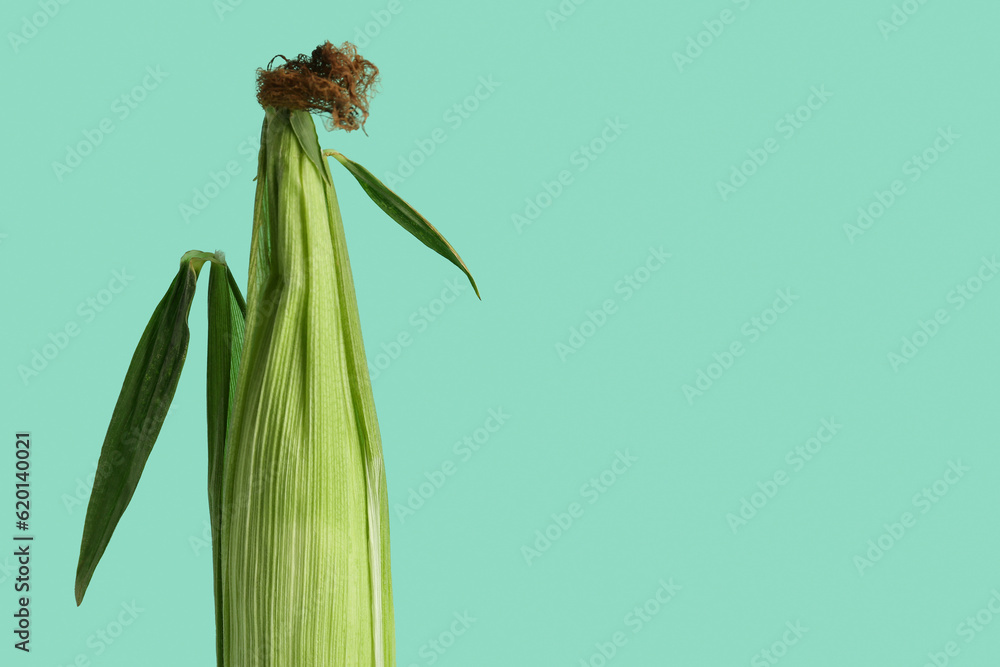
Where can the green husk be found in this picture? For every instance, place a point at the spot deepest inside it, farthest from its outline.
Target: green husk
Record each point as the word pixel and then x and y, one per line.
pixel 226 316
pixel 305 531
pixel 296 482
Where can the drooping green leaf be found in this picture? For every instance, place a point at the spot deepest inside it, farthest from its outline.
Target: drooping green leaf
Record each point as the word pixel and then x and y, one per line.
pixel 142 406
pixel 403 213
pixel 226 321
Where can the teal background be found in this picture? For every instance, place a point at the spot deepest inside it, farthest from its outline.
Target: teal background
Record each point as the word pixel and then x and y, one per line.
pixel 666 518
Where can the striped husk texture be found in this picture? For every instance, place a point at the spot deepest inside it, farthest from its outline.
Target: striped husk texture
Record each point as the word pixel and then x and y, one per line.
pixel 305 524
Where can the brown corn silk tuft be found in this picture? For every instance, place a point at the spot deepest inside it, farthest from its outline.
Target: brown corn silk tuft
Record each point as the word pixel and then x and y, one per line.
pixel 333 81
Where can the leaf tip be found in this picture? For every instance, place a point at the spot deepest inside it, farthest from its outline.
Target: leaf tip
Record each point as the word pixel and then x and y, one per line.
pixel 80 589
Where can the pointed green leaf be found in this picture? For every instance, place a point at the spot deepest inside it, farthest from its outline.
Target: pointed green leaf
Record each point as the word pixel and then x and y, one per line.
pixel 403 213
pixel 138 415
pixel 226 321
